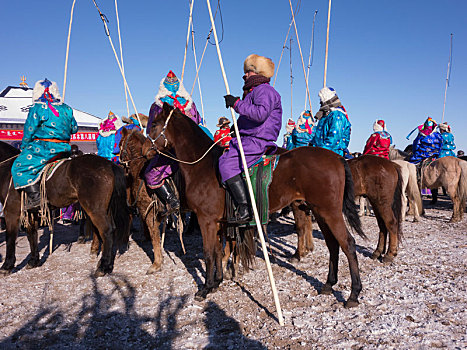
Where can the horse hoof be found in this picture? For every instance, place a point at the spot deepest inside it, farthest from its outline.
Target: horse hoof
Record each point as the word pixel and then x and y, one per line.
pixel 5 272
pixel 453 220
pixel 94 254
pixel 351 303
pixel 81 240
pixel 99 273
pixel 32 264
pixel 387 259
pixel 201 294
pixel 228 274
pixel 153 269
pixel 326 290
pixel 294 259
pixel 375 255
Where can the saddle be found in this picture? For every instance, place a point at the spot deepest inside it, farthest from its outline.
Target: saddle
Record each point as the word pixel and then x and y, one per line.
pixel 260 174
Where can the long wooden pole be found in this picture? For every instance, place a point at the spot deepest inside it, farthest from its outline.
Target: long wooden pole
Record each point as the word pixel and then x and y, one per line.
pixel 327 45
pixel 311 52
pixel 447 79
pixel 291 80
pixel 301 55
pixel 250 188
pixel 187 39
pixel 67 50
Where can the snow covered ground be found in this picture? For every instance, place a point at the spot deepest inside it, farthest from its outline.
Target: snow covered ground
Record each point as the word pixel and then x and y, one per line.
pixel 417 302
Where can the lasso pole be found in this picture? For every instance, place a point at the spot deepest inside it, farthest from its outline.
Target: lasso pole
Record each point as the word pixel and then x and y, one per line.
pixel 187 39
pixel 311 52
pixel 121 59
pixel 67 50
pixel 250 188
pixel 197 70
pixel 301 56
pixel 327 45
pixel 447 79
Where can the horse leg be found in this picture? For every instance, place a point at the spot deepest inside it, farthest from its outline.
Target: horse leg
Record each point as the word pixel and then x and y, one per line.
pixel 12 228
pixel 106 227
pixel 434 196
pixel 152 224
pixel 211 247
pixel 338 235
pixel 304 232
pixel 392 226
pixel 96 241
pixel 32 238
pixel 382 237
pixel 228 270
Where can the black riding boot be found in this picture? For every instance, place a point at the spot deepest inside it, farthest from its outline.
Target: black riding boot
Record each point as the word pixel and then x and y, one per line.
pixel 237 189
pixel 33 196
pixel 167 196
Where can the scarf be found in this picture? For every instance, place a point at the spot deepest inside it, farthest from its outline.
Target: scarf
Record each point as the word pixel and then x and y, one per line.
pixel 327 106
pixel 253 82
pixel 49 98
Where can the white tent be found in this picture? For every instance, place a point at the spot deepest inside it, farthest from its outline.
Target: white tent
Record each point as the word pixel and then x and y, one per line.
pixel 14 107
pixel 15 103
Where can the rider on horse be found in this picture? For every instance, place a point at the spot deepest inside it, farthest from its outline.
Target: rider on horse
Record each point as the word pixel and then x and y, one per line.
pixel 302 133
pixel 259 125
pixel 333 129
pixel 427 143
pixel 171 91
pixel 130 123
pixel 223 133
pixel 448 146
pixel 46 137
pixel 379 142
pixel 106 138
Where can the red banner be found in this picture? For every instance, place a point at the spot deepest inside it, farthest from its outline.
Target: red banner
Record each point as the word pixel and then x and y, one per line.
pixel 17 135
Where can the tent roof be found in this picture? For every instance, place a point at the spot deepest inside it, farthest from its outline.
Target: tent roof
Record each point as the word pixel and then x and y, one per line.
pixel 16 101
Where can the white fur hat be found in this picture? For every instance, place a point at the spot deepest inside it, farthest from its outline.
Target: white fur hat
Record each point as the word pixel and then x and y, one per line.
pixel 260 65
pixel 379 125
pixel 326 93
pixel 40 87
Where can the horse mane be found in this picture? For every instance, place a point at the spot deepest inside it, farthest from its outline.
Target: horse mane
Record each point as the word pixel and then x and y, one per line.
pixel 395 154
pixel 7 151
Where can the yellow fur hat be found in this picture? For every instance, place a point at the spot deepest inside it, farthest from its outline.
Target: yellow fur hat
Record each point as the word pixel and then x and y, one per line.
pixel 260 65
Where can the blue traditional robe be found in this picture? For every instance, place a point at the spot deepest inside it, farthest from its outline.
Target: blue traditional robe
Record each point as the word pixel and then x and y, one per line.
pixel 37 149
pixel 448 146
pixel 425 146
pixel 333 132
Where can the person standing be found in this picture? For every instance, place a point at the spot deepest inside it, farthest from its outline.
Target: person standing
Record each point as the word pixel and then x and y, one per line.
pixel 259 125
pixel 46 137
pixel 333 129
pixel 378 143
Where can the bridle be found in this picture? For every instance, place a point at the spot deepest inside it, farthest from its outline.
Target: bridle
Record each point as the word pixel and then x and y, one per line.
pixel 162 133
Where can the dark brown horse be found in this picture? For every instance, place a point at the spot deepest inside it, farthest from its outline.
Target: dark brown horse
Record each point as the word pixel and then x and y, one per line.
pixel 379 180
pixel 317 176
pixel 99 186
pixel 131 158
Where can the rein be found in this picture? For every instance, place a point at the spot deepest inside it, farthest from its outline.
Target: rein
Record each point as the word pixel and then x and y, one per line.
pixel 153 141
pixel 6 160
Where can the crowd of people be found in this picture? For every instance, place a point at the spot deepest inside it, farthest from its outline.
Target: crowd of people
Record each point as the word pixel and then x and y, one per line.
pixel 50 124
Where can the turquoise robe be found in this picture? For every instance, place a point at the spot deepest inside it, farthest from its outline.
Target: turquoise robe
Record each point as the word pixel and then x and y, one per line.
pixel 41 123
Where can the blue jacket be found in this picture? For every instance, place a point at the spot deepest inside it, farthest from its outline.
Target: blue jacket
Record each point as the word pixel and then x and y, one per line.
pixel 425 146
pixel 448 146
pixel 333 132
pixel 299 139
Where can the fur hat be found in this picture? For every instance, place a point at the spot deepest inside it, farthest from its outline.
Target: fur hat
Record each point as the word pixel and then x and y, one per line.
pixel 166 87
pixel 41 86
pixel 379 125
pixel 444 127
pixel 222 121
pixel 326 93
pixel 109 125
pixel 260 65
pixel 144 119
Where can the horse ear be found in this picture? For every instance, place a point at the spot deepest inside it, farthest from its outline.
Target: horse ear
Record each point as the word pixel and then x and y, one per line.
pixel 124 132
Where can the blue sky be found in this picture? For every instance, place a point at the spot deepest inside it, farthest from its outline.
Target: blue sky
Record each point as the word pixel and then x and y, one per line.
pixel 387 59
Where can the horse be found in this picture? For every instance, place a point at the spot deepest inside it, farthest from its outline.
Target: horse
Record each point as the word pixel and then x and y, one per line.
pixel 317 176
pixel 99 186
pixel 451 174
pixel 131 158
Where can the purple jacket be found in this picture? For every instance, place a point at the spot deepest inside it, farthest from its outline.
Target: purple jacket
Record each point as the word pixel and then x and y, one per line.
pixel 260 113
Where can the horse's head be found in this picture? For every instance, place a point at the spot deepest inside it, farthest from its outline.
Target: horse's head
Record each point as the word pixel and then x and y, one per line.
pixel 159 136
pixel 131 145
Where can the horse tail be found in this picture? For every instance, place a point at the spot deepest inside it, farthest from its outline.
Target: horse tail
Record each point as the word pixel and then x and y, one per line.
pixel 412 189
pixel 397 201
pixel 348 206
pixel 246 246
pixel 118 207
pixel 462 186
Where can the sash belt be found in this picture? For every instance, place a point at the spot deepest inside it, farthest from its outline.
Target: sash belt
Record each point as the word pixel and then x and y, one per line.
pixel 54 140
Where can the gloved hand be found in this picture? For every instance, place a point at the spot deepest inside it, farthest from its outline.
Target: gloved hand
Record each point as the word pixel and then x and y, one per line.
pixel 230 100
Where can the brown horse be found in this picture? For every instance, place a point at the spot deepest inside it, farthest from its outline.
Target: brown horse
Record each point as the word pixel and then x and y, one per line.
pixel 317 176
pixel 131 158
pixel 99 186
pixel 380 181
